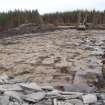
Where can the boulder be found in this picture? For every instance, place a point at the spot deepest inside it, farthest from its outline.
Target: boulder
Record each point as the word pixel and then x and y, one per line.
pixel 89 98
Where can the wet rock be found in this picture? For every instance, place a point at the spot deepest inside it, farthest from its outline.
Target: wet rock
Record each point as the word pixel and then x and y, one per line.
pixel 34 97
pixel 89 98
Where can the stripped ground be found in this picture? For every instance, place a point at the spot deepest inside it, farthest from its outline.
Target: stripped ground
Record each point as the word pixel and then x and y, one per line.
pixel 59 57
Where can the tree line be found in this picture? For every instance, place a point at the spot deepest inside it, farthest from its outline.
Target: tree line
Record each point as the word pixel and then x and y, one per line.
pixel 15 18
pixel 71 18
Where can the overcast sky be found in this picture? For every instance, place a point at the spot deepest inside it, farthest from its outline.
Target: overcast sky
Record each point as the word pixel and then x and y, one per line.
pixel 46 6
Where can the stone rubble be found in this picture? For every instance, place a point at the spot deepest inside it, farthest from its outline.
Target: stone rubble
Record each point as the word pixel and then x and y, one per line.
pixel 30 93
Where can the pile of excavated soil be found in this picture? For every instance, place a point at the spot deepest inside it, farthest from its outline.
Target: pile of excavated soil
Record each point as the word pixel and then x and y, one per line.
pixel 27 29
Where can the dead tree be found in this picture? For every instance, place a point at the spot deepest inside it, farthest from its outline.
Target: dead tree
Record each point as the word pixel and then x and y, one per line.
pixel 81 25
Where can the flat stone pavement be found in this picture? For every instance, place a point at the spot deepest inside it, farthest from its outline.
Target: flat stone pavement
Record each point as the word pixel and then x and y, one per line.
pixel 59 58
